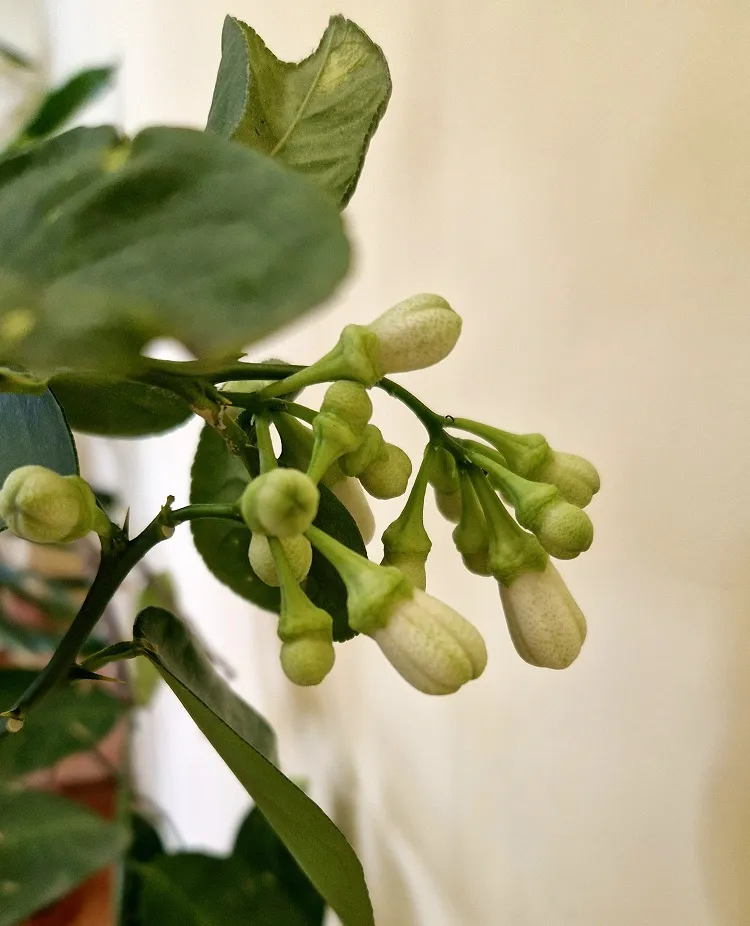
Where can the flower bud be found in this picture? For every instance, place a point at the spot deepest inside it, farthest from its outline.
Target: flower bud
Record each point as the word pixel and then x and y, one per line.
pixel 576 478
pixel 545 623
pixel 415 333
pixel 449 505
pixel 406 543
pixel 389 475
pixel 442 471
pixel 430 645
pixel 39 505
pixel 298 552
pixel 307 660
pixel 339 427
pixel 523 452
pixel 281 502
pixel 357 461
pixel 471 536
pixel 349 492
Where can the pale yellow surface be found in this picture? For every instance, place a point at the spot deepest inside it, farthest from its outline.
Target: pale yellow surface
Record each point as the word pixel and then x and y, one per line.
pixel 574 178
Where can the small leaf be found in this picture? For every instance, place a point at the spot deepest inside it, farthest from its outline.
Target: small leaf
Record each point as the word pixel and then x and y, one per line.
pixel 317 116
pixel 33 429
pixel 49 846
pixel 115 406
pixel 218 476
pixel 107 243
pixel 61 104
pixel 69 720
pixel 230 726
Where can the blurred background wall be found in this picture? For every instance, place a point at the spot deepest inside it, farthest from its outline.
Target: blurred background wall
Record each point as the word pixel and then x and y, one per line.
pixel 573 177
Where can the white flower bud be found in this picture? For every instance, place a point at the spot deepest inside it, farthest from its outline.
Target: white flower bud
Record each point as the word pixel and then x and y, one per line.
pixel 281 503
pixel 349 492
pixel 306 660
pixel 389 475
pixel 576 478
pixel 545 624
pixel 415 333
pixel 431 645
pixel 298 553
pixel 42 506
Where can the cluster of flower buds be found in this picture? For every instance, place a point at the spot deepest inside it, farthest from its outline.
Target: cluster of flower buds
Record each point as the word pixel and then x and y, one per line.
pixel 478 482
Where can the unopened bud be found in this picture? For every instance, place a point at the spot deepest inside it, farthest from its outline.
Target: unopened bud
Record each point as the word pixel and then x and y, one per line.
pixel 39 505
pixel 545 623
pixel 340 425
pixel 415 333
pixel 471 536
pixel 449 505
pixel 357 461
pixel 389 475
pixel 349 492
pixel 281 503
pixel 576 478
pixel 298 553
pixel 442 471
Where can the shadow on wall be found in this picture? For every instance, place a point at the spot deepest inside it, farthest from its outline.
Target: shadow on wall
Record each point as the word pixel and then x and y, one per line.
pixel 724 836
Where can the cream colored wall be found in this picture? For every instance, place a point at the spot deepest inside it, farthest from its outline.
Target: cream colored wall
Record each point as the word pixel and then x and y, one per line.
pixel 573 177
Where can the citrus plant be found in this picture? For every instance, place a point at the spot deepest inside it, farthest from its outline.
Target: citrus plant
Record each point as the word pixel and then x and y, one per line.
pixel 216 238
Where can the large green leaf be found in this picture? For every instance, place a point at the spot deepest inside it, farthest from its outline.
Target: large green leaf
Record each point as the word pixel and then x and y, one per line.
pixel 318 846
pixel 33 429
pixel 63 102
pixel 49 846
pixel 70 719
pixel 218 476
pixel 115 406
pixel 200 890
pixel 317 116
pixel 107 243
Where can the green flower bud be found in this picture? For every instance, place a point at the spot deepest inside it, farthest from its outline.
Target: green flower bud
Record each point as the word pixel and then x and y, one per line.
pixel 471 536
pixel 523 452
pixel 281 502
pixel 357 461
pixel 389 475
pixel 431 646
pixel 546 625
pixel 298 552
pixel 406 544
pixel 442 471
pixel 349 492
pixel 576 478
pixel 305 630
pixel 415 333
pixel 449 505
pixel 39 505
pixel 339 427
pixel 512 551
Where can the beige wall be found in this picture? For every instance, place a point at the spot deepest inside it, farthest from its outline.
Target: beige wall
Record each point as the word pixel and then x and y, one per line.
pixel 574 177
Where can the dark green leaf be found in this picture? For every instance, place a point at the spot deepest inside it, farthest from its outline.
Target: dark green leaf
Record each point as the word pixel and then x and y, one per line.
pixel 218 476
pixel 317 116
pixel 33 430
pixel 200 890
pixel 49 846
pixel 258 848
pixel 61 104
pixel 318 846
pixel 106 244
pixel 117 407
pixel 70 719
pixel 145 846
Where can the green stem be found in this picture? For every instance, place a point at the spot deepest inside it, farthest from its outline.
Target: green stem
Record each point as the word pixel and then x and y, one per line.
pixel 300 411
pixel 346 562
pixel 119 557
pixel 205 369
pixel 434 424
pixel 126 649
pixel 265 444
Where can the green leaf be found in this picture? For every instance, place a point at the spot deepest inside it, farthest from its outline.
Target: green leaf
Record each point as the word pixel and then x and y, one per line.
pixel 258 848
pixel 33 429
pixel 317 116
pixel 318 846
pixel 15 57
pixel 69 720
pixel 61 104
pixel 115 406
pixel 106 244
pixel 145 846
pixel 189 889
pixel 49 846
pixel 218 476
